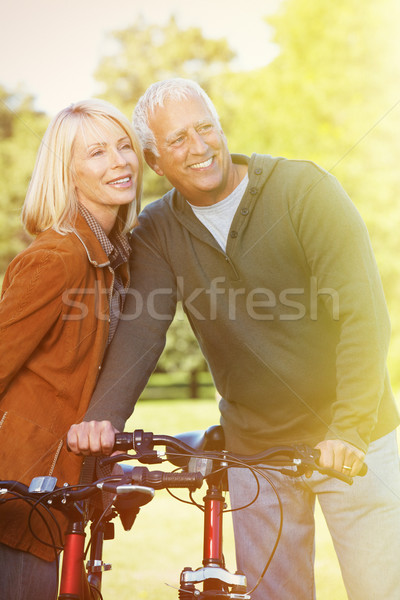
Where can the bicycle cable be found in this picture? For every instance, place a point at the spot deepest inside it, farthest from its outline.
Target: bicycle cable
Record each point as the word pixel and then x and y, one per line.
pixel 96 524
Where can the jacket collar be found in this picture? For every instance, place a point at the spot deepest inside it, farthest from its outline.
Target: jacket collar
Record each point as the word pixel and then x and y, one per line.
pixel 95 253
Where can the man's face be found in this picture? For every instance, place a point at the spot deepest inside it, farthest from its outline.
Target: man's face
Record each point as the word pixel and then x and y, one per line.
pixel 193 151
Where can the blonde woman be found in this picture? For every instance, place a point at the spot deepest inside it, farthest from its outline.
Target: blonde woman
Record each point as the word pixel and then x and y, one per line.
pixel 59 309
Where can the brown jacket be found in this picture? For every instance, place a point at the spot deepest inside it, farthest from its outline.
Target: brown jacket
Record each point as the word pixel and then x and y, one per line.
pixel 54 321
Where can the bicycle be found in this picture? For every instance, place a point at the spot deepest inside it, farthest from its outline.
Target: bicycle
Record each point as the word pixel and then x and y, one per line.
pixel 198 457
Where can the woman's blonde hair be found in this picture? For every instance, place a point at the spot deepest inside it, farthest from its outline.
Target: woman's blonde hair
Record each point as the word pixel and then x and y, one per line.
pixel 51 200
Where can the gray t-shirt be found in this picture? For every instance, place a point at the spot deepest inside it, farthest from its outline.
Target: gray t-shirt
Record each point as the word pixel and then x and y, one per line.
pixel 218 217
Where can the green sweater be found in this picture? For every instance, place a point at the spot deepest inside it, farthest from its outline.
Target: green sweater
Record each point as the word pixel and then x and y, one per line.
pixel 291 318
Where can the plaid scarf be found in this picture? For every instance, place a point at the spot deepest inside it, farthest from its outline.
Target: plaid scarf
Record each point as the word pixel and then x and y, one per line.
pixel 117 249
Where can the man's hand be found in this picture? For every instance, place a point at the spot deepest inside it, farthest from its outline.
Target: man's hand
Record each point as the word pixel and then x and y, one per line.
pixel 92 437
pixel 341 456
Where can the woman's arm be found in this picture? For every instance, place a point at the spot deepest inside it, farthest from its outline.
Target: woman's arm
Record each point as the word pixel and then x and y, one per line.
pixel 30 303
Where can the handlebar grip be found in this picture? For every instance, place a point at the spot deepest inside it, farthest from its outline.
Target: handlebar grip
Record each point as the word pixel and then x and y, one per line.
pixel 160 480
pixel 182 480
pixel 363 471
pixel 123 441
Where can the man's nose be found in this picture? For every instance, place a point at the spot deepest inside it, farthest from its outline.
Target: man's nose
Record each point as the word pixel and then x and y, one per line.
pixel 197 144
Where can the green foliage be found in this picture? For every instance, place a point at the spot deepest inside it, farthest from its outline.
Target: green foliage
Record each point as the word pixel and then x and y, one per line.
pixel 21 129
pixel 148 53
pixel 177 385
pixel 180 352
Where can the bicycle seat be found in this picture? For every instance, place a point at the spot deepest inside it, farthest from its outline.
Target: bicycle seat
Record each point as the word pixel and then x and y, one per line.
pixel 210 439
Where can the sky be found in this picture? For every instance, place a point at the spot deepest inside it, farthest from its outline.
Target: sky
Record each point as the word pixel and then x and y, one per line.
pixel 51 48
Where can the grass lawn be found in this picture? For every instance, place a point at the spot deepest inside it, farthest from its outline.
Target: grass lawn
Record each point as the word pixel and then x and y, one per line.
pixel 167 534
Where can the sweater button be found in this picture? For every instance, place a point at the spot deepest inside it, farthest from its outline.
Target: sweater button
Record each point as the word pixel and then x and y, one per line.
pixel 253 191
pixel 258 171
pixel 244 211
pixel 234 234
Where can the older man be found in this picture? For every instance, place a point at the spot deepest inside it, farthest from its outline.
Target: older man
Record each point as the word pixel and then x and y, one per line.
pixel 275 271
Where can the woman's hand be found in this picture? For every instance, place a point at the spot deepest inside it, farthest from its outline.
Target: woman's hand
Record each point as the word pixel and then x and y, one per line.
pixel 91 438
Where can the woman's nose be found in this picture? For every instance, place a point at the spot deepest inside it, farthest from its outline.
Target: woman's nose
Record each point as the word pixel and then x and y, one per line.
pixel 118 158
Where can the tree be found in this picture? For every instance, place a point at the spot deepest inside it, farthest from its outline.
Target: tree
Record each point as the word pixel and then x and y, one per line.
pixel 148 53
pixel 182 352
pixel 21 129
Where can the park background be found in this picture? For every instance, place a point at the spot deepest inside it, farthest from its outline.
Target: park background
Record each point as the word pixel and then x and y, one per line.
pixel 317 80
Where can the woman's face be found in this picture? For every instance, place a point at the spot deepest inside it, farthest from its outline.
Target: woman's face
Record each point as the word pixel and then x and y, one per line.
pixel 105 172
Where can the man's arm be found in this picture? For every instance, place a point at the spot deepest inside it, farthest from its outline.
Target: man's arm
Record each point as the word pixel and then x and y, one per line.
pixel 340 256
pixel 136 347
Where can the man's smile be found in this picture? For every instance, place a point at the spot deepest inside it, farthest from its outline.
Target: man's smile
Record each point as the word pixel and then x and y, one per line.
pixel 202 165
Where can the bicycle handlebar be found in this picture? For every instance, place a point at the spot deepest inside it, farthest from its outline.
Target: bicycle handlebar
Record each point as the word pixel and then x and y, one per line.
pixel 278 456
pixel 139 484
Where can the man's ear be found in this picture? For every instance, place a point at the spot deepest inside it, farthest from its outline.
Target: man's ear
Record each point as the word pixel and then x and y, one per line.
pixel 152 161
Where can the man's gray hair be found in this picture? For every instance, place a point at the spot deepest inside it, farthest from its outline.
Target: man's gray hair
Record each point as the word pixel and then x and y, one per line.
pixel 168 89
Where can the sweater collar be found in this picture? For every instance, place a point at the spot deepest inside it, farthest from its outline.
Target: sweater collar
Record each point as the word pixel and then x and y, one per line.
pixel 260 168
